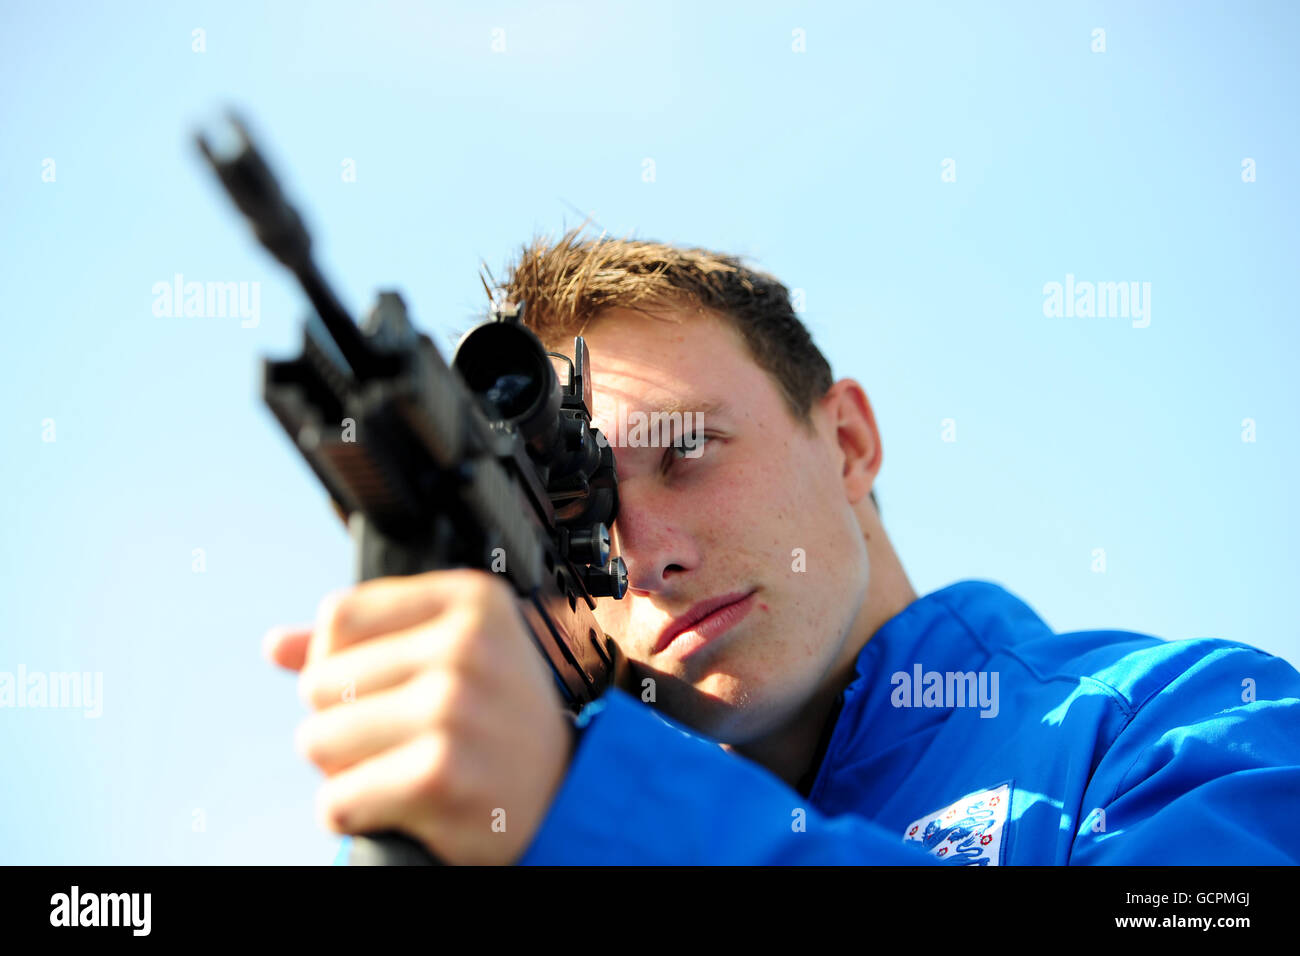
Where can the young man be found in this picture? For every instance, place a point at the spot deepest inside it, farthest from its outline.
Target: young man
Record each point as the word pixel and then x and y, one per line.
pixel 793 701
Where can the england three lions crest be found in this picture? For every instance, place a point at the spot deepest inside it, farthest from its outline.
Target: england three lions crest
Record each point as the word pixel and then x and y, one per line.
pixel 967 832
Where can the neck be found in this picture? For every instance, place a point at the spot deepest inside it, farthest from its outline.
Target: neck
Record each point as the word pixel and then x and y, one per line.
pixel 791 751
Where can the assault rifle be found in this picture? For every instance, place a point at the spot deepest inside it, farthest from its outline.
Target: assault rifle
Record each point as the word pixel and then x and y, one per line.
pixel 491 463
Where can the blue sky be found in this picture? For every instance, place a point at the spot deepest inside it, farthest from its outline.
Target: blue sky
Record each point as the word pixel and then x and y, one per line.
pixel 824 167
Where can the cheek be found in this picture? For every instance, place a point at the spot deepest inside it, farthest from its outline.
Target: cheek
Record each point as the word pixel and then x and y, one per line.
pixel 612 616
pixel 779 514
pixel 823 562
pixel 773 519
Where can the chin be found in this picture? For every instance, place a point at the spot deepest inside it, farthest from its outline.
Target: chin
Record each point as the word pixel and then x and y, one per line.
pixel 727 708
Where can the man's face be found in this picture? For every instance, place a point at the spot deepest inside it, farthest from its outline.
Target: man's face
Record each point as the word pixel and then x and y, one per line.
pixel 760 508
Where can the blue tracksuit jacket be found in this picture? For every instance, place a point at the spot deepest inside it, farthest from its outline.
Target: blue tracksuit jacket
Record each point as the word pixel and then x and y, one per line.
pixel 1095 747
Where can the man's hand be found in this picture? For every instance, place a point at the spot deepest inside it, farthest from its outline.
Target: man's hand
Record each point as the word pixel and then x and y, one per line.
pixel 434 714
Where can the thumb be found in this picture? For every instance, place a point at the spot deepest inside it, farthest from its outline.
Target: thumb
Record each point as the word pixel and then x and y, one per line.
pixel 287 646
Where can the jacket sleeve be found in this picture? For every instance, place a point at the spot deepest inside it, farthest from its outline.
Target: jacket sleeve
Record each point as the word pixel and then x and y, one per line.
pixel 1207 771
pixel 643 790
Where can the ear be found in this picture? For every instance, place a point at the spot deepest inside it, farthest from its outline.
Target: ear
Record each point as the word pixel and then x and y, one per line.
pixel 849 415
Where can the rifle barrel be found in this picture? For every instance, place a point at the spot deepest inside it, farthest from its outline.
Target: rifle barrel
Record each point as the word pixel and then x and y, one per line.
pixel 280 230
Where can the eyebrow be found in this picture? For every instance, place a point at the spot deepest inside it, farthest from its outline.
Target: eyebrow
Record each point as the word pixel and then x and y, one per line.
pixel 684 406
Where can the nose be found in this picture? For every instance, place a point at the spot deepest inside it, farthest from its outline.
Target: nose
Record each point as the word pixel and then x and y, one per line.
pixel 651 534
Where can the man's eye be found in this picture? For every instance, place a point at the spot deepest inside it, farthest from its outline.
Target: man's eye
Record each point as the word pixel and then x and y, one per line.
pixel 691 446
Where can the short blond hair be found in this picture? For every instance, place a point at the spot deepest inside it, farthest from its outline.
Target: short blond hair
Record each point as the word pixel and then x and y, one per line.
pixel 567 283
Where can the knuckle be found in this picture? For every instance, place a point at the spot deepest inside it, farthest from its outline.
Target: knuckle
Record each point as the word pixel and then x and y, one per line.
pixel 307 742
pixel 307 686
pixel 482 585
pixel 440 699
pixel 426 648
pixel 316 689
pixel 425 703
pixel 441 774
pixel 465 654
pixel 331 810
pixel 447 644
pixel 334 612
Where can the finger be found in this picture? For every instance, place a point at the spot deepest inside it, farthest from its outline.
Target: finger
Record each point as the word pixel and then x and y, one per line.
pixel 340 737
pixel 375 665
pixel 406 788
pixel 286 646
pixel 384 605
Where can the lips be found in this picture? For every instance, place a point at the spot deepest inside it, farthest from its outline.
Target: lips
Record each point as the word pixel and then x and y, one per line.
pixel 695 615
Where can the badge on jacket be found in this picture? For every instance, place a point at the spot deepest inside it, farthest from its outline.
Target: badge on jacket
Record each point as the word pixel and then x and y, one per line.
pixel 967 832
